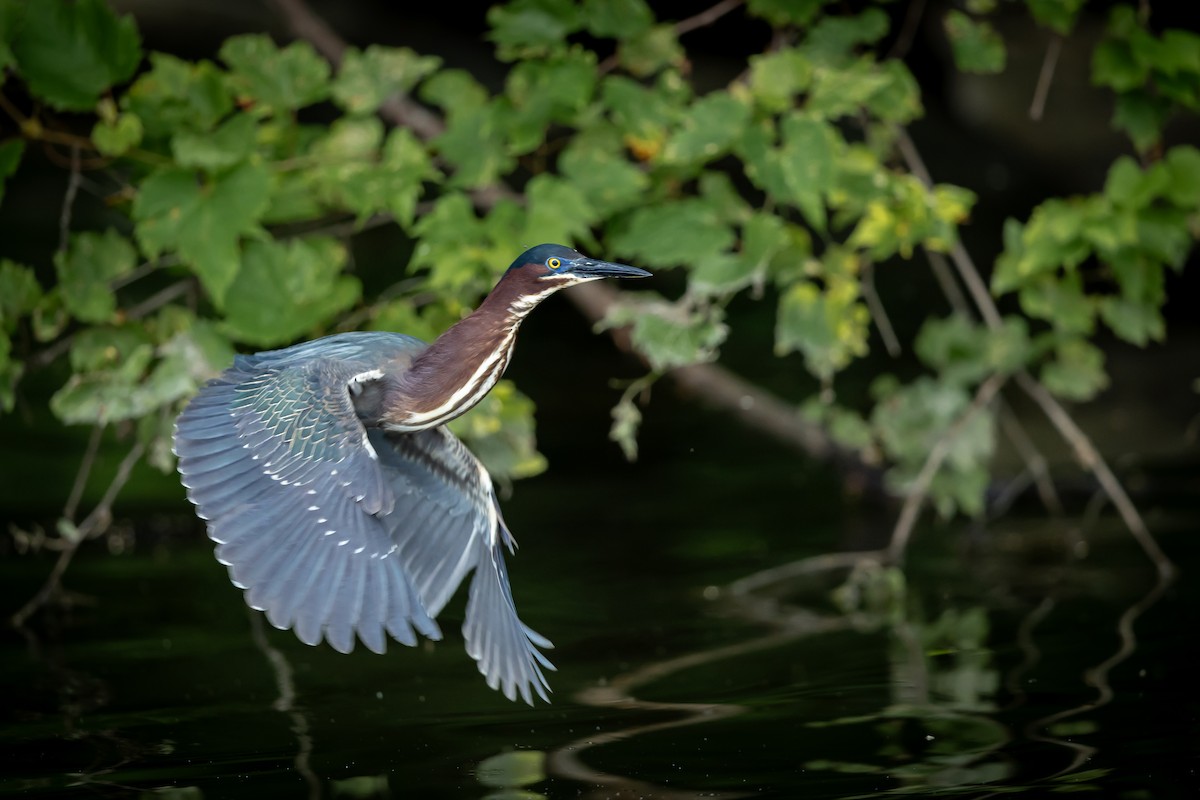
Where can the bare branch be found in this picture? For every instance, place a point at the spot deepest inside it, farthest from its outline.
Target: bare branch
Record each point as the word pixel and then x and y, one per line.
pixel 85 471
pixel 68 205
pixel 1045 78
pixel 920 488
pixel 879 313
pixel 706 17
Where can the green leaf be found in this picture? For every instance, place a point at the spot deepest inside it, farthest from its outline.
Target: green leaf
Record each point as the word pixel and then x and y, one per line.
pixel 1114 65
pixel 676 233
pixel 455 91
pixel 782 13
pixel 278 80
pixel 834 39
pixel 777 77
pixel 1142 116
pixel 529 28
pixel 10 17
pixel 85 269
pixel 627 418
pixel 976 45
pixel 1135 322
pixel 618 19
pixel 19 293
pixel 367 78
pixel 557 211
pixel 806 165
pixel 117 377
pixel 10 370
pixel 964 352
pixel 473 143
pixel 671 335
pixel 1182 169
pixel 828 327
pixel 1060 300
pixel 119 136
pixel 763 237
pixel 231 143
pixel 595 164
pixel 500 432
pixel 708 128
pixel 286 289
pixel 1058 15
pixel 1077 373
pixel 652 50
pixel 10 159
pixel 72 52
pixel 178 95
pixel 203 221
pixel 545 91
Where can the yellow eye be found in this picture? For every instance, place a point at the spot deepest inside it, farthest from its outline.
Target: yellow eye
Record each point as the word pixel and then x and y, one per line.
pixel 553 263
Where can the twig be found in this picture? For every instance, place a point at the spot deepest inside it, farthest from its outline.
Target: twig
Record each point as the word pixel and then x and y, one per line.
pixel 93 525
pixel 904 39
pixel 920 488
pixel 68 205
pixel 1045 78
pixel 940 268
pixel 805 566
pixel 1033 458
pixel 159 299
pixel 85 470
pixel 706 17
pixel 879 313
pixel 1092 461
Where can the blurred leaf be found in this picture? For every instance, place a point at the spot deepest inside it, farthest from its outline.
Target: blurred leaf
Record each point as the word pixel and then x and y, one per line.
pixel 286 289
pixel 278 79
pixel 670 335
pixel 976 45
pixel 965 352
pixel 618 19
pixel 557 211
pixel 50 316
pixel 362 173
pixel 231 143
pixel 834 39
pixel 19 293
pixel 651 50
pixel 1114 65
pixel 368 77
pixel 10 159
pixel 707 129
pixel 474 143
pixel 10 18
pixel 1061 302
pixel 10 373
pixel 72 52
pixel 119 136
pixel 806 165
pixel 1142 116
pixel 1135 322
pixel 1182 170
pixel 361 786
pixel 203 221
pixel 626 420
pixel 117 378
pixel 595 164
pixel 828 327
pixel 763 237
pixel 177 95
pixel 85 269
pixel 677 233
pixel 1077 372
pixel 1058 15
pixel 529 28
pixel 777 77
pixel 545 91
pixel 500 432
pixel 786 12
pixel 455 91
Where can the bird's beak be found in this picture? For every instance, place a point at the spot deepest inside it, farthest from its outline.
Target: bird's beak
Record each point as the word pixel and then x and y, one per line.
pixel 590 268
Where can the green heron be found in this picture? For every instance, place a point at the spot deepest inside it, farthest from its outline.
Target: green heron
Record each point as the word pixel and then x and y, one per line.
pixel 339 501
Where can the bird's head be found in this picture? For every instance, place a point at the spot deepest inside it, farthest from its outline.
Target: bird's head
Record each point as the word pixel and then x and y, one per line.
pixel 557 266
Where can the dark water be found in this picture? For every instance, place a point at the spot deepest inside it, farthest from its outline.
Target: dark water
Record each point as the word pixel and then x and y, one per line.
pixel 994 663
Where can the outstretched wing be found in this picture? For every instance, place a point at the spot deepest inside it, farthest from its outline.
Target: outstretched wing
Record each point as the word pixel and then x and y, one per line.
pixel 276 461
pixel 446 522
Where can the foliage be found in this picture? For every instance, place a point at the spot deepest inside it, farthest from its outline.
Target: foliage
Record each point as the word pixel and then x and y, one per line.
pixel 782 185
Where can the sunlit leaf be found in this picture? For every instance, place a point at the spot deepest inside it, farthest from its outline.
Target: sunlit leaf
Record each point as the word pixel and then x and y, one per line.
pixel 626 420
pixel 806 165
pixel 671 335
pixel 677 233
pixel 500 432
pixel 558 211
pixel 595 164
pixel 707 129
pixel 777 77
pixel 71 52
pixel 829 327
